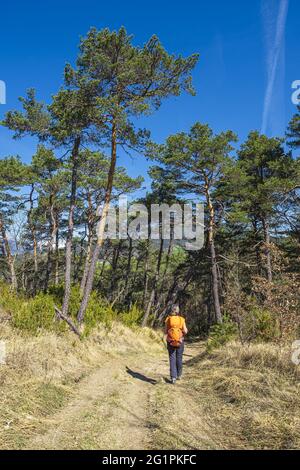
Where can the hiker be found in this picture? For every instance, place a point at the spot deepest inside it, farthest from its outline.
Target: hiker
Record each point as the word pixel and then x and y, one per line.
pixel 175 331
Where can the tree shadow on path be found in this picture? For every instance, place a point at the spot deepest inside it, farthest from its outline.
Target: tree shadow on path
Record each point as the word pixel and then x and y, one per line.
pixel 137 375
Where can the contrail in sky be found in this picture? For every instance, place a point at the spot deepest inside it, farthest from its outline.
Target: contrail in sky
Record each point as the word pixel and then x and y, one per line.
pixel 273 53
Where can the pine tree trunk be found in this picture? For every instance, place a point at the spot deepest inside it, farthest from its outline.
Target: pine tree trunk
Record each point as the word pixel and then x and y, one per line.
pixel 128 268
pixel 101 227
pixel 57 255
pixel 51 243
pixel 69 242
pixel 9 258
pixel 266 229
pixel 213 259
pixel 154 289
pixel 90 228
pixel 146 277
pixel 131 291
pixel 32 229
pixel 86 263
pixel 115 262
pixel 215 282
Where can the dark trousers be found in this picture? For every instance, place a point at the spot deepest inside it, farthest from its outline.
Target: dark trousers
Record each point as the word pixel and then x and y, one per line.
pixel 175 356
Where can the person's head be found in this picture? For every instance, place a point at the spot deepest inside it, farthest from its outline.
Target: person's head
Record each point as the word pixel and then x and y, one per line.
pixel 175 310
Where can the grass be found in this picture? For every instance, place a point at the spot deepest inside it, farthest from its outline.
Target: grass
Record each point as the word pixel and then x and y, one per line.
pixel 233 397
pixel 250 396
pixel 42 371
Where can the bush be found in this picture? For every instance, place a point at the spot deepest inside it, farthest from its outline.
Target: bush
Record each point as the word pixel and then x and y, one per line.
pixel 261 325
pixel 10 302
pixel 221 333
pixel 132 317
pixel 98 311
pixel 37 313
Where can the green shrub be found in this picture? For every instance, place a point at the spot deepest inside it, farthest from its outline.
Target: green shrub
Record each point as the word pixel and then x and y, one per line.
pixel 222 333
pixel 37 313
pixel 10 302
pixel 132 317
pixel 57 292
pixel 98 311
pixel 261 325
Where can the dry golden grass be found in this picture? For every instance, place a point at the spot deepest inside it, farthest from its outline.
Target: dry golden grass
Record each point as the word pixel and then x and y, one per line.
pixel 41 372
pixel 250 396
pixel 238 397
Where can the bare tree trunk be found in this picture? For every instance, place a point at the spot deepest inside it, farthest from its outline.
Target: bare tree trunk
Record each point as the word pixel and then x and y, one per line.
pixel 90 228
pixel 146 277
pixel 69 242
pixel 116 255
pixel 102 271
pixel 51 243
pixel 213 259
pixel 215 282
pixel 266 229
pixel 32 229
pixel 161 292
pixel 86 263
pixel 257 250
pixel 57 254
pixel 101 227
pixel 130 292
pixel 128 268
pixel 9 257
pixel 154 288
pixel 167 259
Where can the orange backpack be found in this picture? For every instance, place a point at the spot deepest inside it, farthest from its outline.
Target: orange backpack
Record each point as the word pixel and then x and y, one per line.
pixel 175 334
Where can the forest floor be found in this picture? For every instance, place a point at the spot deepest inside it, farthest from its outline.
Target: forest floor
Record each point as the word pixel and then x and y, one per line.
pixel 128 403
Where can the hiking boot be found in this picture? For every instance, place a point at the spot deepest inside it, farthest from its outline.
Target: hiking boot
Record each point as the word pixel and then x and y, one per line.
pixel 179 378
pixel 173 381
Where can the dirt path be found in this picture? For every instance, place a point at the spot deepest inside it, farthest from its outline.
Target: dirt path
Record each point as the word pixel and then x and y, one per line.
pixel 128 404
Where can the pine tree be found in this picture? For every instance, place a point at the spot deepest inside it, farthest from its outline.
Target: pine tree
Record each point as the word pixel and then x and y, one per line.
pixel 198 161
pixel 128 81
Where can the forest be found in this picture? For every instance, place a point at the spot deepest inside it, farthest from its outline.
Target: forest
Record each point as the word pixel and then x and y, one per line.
pixel 53 211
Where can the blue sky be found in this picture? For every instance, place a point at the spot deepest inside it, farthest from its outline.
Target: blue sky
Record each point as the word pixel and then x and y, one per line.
pixel 234 39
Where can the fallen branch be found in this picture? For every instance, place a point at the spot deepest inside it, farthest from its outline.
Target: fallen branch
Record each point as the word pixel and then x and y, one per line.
pixel 61 316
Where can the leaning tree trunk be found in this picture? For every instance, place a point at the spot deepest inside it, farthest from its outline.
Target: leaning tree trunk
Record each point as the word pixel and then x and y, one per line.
pixel 213 258
pixel 69 242
pixel 266 229
pixel 101 227
pixel 9 257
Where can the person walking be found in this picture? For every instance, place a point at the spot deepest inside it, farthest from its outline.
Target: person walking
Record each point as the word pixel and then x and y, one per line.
pixel 175 331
